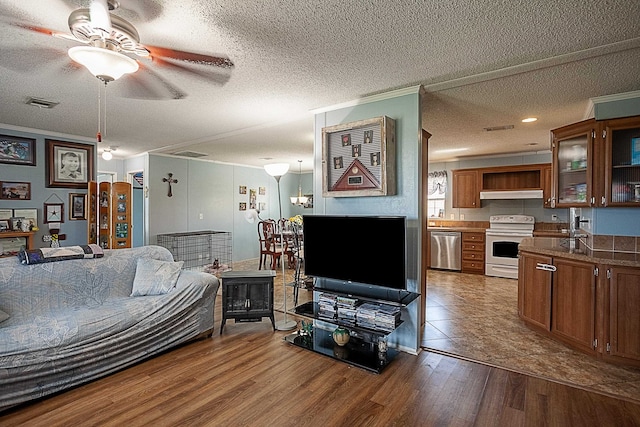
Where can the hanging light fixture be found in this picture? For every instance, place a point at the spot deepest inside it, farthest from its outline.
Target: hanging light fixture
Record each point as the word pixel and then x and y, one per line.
pixel 106 153
pixel 300 200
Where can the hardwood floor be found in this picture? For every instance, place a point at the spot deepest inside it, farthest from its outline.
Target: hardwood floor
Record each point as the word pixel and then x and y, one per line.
pixel 249 376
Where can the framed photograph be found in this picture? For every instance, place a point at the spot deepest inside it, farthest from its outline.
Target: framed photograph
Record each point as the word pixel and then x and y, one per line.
pixel 4 225
pixel 30 216
pixel 6 213
pixel 19 224
pixel 16 150
pixel 242 189
pixel 242 206
pixel 68 164
pixel 359 158
pixel 15 190
pixel 252 199
pixel 53 212
pixel 262 191
pixel 77 206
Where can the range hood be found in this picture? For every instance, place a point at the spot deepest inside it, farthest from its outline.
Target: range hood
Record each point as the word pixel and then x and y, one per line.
pixel 510 194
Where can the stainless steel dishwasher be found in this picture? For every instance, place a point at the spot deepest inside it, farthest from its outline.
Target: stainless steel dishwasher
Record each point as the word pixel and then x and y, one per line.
pixel 446 250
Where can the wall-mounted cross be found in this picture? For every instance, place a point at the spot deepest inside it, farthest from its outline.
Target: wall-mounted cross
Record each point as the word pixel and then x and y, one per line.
pixel 170 180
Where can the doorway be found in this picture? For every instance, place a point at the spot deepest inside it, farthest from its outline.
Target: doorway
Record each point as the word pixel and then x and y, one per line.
pixel 136 178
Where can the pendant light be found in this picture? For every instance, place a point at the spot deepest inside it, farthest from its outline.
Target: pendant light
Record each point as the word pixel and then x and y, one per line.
pixel 300 200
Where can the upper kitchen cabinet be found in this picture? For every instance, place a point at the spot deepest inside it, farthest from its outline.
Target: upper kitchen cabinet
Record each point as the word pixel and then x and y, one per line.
pixel 466 192
pixel 622 157
pixel 572 148
pixel 596 163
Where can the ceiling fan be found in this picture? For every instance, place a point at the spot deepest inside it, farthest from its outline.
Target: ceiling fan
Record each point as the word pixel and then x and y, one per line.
pixel 110 44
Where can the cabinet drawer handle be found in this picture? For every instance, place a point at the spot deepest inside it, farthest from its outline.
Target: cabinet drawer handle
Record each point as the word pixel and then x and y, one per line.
pixel 545 267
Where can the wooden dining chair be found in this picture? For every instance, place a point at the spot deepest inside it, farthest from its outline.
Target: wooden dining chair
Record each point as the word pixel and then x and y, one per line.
pixel 270 244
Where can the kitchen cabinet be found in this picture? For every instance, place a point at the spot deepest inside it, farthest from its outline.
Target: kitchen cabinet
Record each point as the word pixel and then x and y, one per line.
pixel 572 149
pixel 547 183
pixel 622 314
pixel 534 290
pixel 590 306
pixel 466 193
pixel 596 163
pixel 573 303
pixel 473 252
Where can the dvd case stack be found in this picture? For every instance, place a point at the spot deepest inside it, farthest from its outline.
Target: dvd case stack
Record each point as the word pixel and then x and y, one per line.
pixel 327 306
pixel 347 309
pixel 378 316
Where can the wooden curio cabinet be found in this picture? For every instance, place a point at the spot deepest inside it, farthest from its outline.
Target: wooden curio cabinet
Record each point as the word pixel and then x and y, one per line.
pixel 110 213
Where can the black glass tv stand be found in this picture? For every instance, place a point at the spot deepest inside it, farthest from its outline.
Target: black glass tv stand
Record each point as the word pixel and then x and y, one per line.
pixel 367 346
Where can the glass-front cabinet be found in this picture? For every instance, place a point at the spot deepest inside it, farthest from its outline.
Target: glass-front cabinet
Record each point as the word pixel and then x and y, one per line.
pixel 622 178
pixel 573 147
pixel 596 163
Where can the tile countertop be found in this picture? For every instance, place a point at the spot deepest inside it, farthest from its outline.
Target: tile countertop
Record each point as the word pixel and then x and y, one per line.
pixel 560 247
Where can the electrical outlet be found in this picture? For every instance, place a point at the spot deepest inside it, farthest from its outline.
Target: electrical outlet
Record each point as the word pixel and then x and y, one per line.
pixel 201 216
pixel 461 217
pixel 554 218
pixel 452 216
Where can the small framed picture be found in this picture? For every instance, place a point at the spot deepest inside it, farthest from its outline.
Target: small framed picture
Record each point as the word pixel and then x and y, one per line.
pixel 53 212
pixel 262 191
pixel 242 189
pixel 16 150
pixel 6 213
pixel 77 206
pixel 69 164
pixel 30 216
pixel 16 190
pixel 18 224
pixel 243 206
pixel 4 225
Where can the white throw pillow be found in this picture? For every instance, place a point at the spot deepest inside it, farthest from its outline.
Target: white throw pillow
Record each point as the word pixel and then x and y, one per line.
pixel 154 277
pixel 3 316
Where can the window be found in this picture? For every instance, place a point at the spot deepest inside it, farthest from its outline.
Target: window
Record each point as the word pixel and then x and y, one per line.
pixel 436 192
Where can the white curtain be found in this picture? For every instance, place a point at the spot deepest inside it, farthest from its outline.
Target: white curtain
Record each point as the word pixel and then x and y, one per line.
pixel 437 184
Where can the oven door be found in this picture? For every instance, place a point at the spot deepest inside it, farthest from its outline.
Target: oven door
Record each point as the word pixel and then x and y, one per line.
pixel 502 253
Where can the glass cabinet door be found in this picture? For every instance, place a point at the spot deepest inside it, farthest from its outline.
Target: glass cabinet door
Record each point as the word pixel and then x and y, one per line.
pixel 572 154
pixel 622 174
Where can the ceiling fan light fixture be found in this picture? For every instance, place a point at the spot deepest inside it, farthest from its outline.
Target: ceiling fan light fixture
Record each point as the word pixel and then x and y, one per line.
pixel 105 64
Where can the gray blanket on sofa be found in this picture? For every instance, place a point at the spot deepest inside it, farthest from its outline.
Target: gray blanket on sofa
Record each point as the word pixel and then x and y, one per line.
pixel 74 321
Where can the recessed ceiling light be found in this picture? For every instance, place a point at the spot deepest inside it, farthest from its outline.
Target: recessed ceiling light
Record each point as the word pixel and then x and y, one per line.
pixel 450 150
pixel 529 120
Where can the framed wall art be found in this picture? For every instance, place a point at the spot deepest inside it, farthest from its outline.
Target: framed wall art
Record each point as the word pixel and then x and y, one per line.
pixel 15 190
pixel 53 212
pixel 30 216
pixel 359 158
pixel 77 206
pixel 16 150
pixel 68 164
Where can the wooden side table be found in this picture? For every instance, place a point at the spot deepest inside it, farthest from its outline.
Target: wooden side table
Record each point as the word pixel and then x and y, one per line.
pixel 247 296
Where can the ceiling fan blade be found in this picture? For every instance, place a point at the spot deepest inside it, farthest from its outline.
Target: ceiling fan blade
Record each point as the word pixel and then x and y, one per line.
pixel 46 31
pixel 194 58
pixel 212 76
pixel 147 84
pixel 99 13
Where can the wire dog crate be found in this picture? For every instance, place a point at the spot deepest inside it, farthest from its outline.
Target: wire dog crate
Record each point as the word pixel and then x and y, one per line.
pixel 208 251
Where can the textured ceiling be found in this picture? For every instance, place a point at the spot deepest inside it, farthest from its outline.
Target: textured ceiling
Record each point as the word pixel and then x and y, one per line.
pixel 482 63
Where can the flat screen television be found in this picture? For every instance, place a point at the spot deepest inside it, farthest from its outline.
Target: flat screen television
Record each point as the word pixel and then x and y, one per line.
pixel 368 250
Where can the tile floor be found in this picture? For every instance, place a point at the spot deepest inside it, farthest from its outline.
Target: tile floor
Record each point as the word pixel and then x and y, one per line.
pixel 476 317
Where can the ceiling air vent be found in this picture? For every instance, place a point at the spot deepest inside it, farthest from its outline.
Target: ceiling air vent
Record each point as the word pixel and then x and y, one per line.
pixel 193 154
pixel 492 128
pixel 41 103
